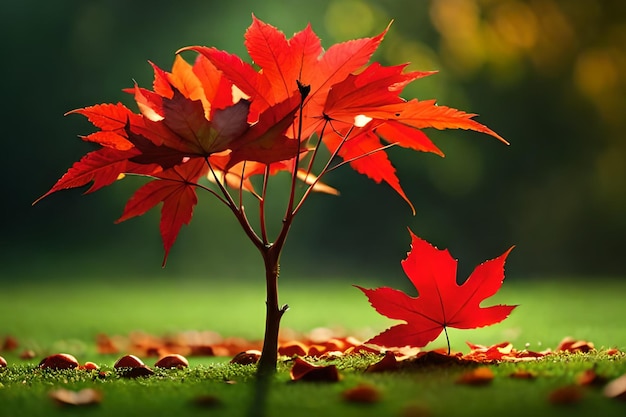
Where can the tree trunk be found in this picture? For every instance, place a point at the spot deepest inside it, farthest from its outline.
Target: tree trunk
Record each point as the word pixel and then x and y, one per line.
pixel 273 314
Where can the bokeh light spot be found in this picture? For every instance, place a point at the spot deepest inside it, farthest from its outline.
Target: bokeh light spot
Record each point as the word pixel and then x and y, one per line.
pixel 349 19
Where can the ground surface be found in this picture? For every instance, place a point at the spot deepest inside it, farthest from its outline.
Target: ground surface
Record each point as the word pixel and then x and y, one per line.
pixel 55 317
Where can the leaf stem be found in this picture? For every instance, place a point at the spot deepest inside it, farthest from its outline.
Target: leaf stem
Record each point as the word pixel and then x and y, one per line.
pixel 347 161
pixel 445 330
pixel 326 166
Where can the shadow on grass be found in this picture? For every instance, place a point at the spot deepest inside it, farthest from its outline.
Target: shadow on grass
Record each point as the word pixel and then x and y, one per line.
pixel 261 387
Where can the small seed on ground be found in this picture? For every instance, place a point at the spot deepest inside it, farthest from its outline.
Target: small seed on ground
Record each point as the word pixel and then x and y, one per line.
pixel 89 366
pixel 130 366
pixel 59 361
pixel 172 361
pixel 128 361
pixel 249 357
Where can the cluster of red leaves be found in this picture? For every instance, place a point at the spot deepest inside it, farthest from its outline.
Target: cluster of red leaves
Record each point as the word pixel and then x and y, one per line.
pixel 230 120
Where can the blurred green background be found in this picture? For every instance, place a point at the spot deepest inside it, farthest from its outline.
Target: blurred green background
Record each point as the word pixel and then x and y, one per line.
pixel 548 75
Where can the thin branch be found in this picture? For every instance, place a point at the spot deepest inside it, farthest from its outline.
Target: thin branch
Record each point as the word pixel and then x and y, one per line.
pixel 237 211
pixel 219 197
pixel 229 199
pixel 326 166
pixel 243 172
pixel 317 147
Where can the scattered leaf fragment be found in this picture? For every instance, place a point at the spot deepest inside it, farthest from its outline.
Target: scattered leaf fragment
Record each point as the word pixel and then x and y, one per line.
pixel 331 354
pixel 434 358
pixel 3 362
pixel 305 371
pixel 206 401
pixel 570 394
pixel 387 363
pixel 248 357
pixel 362 393
pixel 362 350
pixel 59 361
pixel 27 354
pixel 106 345
pixel 335 345
pixel 616 388
pixel 172 361
pixel 316 350
pixel 523 374
pixel 479 376
pixel 204 350
pixel 10 343
pixel 293 348
pixel 87 396
pixel 571 345
pixel 590 377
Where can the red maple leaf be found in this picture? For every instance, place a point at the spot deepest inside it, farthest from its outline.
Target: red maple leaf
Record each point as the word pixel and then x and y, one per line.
pixel 441 302
pixel 176 189
pixel 344 93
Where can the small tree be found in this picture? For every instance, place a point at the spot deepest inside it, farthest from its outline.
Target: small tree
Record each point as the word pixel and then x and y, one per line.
pixel 215 124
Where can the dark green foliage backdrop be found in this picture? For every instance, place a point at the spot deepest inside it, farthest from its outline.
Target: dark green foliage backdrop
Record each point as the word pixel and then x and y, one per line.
pixel 547 75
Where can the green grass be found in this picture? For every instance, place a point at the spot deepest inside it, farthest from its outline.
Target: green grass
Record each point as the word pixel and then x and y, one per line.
pixel 65 316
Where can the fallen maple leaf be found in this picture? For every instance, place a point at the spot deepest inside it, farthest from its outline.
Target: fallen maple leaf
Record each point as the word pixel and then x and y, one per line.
pixel 305 371
pixel 571 345
pixel 441 302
